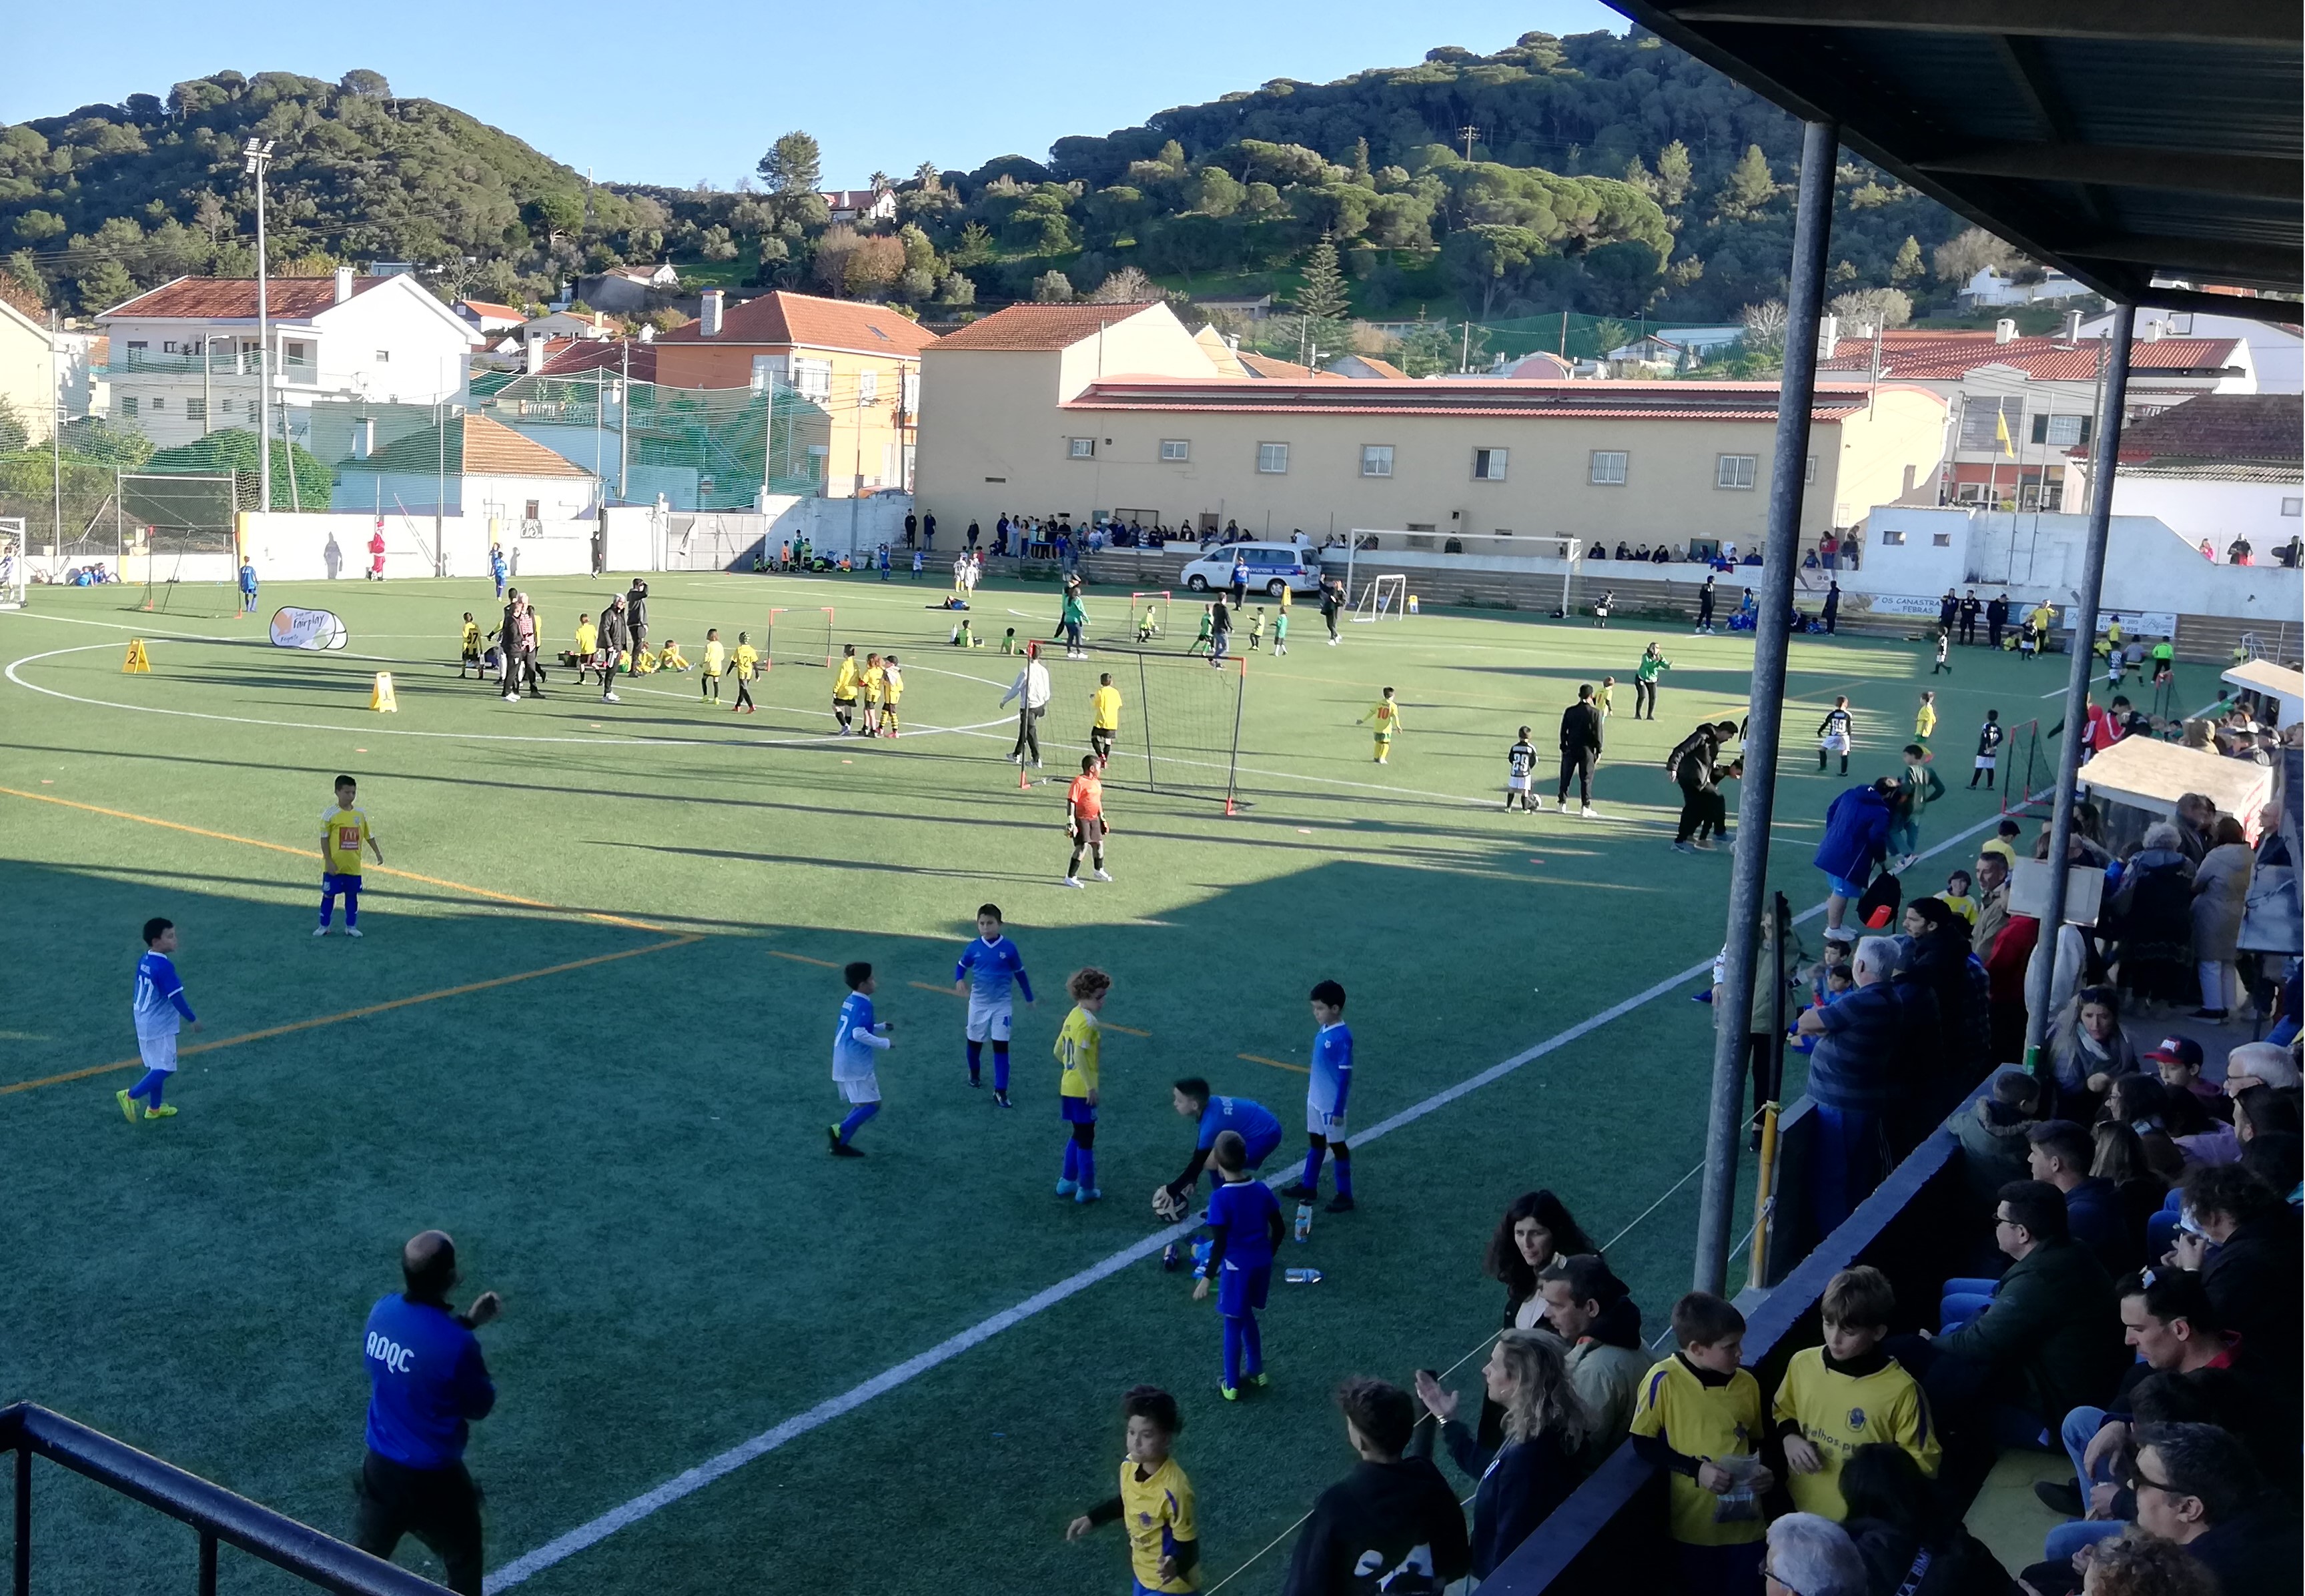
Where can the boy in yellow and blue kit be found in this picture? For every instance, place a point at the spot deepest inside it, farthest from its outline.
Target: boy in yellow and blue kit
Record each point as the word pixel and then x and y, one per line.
pixel 1697 1411
pixel 1155 1501
pixel 345 830
pixel 1848 1393
pixel 1079 1046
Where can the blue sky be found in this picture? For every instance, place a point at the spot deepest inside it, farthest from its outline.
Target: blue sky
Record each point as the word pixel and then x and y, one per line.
pixel 698 91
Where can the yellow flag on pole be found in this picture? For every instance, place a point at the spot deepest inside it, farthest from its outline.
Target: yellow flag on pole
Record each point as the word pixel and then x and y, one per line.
pixel 2000 433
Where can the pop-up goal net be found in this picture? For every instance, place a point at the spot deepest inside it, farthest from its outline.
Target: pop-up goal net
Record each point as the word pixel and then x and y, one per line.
pixel 2028 771
pixel 186 527
pixel 1180 721
pixel 800 636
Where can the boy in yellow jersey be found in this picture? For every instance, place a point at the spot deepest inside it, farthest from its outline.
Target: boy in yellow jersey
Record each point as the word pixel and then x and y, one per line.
pixel 892 688
pixel 670 657
pixel 344 829
pixel 1848 1393
pixel 1698 1417
pixel 1925 718
pixel 844 691
pixel 746 659
pixel 1155 1501
pixel 716 660
pixel 469 645
pixel 1078 1044
pixel 875 678
pixel 584 657
pixel 1256 632
pixel 1103 719
pixel 1148 626
pixel 1387 715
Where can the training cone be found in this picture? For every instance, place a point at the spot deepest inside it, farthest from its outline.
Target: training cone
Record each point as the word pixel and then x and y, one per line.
pixel 138 663
pixel 380 698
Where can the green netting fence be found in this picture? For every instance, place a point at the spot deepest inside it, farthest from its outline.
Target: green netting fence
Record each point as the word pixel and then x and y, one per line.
pixel 701 448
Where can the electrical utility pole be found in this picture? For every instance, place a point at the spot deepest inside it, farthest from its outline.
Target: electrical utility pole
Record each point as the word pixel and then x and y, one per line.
pixel 258 154
pixel 1468 132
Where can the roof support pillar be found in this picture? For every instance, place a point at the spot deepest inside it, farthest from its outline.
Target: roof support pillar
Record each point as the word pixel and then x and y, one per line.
pixel 1771 635
pixel 2105 457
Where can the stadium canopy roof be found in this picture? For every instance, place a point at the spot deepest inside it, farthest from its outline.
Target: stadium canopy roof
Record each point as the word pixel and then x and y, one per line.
pixel 2123 140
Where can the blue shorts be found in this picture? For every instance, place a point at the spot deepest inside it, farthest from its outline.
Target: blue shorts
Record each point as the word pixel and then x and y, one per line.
pixel 1843 887
pixel 1077 1111
pixel 332 883
pixel 1241 1292
pixel 1261 1148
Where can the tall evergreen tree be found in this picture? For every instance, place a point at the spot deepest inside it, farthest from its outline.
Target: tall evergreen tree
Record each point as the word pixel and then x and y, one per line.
pixel 794 164
pixel 1322 301
pixel 1749 187
pixel 1908 264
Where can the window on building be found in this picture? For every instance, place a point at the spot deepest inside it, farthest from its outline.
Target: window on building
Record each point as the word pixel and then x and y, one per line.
pixel 160 403
pixel 168 346
pixel 2181 324
pixel 384 357
pixel 137 351
pixel 813 379
pixel 1272 459
pixel 1981 420
pixel 868 387
pixel 1734 471
pixel 128 405
pixel 2061 432
pixel 1176 448
pixel 1808 471
pixel 1940 539
pixel 298 354
pixel 532 511
pixel 1489 465
pixel 2292 506
pixel 1376 460
pixel 1080 448
pixel 1891 536
pixel 908 391
pixel 195 409
pixel 1608 468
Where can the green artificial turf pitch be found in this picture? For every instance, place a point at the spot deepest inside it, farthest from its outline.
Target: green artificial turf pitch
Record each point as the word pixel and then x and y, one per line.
pixel 631 1145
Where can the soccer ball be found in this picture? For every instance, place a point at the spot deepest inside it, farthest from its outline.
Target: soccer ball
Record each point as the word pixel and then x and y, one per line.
pixel 1168 1205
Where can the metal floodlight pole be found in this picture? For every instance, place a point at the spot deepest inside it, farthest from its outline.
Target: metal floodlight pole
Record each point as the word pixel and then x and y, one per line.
pixel 258 156
pixel 56 412
pixel 1771 636
pixel 2105 453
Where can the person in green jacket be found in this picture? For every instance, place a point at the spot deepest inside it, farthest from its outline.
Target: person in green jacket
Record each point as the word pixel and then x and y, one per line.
pixel 1072 618
pixel 2044 1339
pixel 1653 665
pixel 1917 788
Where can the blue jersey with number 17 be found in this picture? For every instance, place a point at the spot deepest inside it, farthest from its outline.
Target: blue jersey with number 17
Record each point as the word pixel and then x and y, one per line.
pixel 1332 1069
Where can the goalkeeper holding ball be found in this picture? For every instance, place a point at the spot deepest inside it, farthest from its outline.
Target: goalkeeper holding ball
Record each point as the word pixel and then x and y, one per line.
pixel 1254 1123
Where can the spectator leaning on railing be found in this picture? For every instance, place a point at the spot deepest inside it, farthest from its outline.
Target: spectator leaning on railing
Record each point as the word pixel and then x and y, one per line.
pixel 1591 1310
pixel 1544 1447
pixel 1855 1082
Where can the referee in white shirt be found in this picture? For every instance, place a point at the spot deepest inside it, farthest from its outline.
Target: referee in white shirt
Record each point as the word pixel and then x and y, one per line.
pixel 1031 692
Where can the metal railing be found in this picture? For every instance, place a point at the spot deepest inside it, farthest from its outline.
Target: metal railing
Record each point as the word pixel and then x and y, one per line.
pixel 219 1517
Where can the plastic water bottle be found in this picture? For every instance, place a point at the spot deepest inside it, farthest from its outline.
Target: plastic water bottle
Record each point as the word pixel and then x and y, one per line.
pixel 1171 1258
pixel 1304 1221
pixel 1304 1276
pixel 1200 1250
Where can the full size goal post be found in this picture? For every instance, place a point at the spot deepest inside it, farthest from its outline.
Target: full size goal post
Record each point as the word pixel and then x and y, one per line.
pixel 14 556
pixel 1429 549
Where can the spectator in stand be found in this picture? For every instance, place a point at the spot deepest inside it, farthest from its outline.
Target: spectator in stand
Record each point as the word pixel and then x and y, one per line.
pixel 2259 1064
pixel 2277 1157
pixel 1937 959
pixel 1541 1455
pixel 2239 553
pixel 2178 1062
pixel 1854 1081
pixel 2149 920
pixel 1762 1043
pixel 2252 1277
pixel 1992 1136
pixel 2061 1153
pixel 1910 1542
pixel 2220 895
pixel 2119 1157
pixel 2088 1048
pixel 2020 1352
pixel 2197 1486
pixel 1855 842
pixel 1536 1232
pixel 2136 1100
pixel 2004 976
pixel 2143 1564
pixel 1392 1521
pixel 1992 874
pixel 1808 1555
pixel 1591 1310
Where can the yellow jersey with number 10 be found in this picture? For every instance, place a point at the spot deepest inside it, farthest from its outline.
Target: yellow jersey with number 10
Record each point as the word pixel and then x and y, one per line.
pixel 344 833
pixel 1077 1045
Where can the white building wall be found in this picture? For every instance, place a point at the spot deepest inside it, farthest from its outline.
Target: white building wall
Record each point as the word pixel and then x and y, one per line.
pixel 2265 512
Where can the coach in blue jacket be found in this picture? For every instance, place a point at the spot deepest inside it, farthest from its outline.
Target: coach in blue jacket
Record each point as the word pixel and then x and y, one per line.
pixel 1856 840
pixel 426 1382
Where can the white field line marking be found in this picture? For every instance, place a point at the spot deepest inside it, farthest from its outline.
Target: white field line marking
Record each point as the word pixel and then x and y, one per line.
pixel 595 1531
pixel 378 730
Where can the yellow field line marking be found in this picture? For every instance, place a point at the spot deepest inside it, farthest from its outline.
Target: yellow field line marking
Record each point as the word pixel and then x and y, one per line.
pixel 270 1032
pixel 308 853
pixel 801 958
pixel 929 987
pixel 1124 1030
pixel 1301 1069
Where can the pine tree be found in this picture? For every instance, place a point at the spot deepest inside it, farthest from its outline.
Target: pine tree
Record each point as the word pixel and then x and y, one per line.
pixel 1674 176
pixel 1908 264
pixel 1749 186
pixel 793 165
pixel 1361 173
pixel 1322 301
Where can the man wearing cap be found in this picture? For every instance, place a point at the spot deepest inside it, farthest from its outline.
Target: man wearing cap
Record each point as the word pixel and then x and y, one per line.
pixel 2179 1060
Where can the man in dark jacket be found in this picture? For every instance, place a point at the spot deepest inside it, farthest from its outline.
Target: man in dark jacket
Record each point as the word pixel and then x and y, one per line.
pixel 1991 1131
pixel 1392 1525
pixel 616 636
pixel 2252 1277
pixel 1580 749
pixel 2059 1151
pixel 1970 610
pixel 1831 613
pixel 636 621
pixel 1997 617
pixel 1937 956
pixel 2197 1486
pixel 1856 840
pixel 1948 611
pixel 1691 766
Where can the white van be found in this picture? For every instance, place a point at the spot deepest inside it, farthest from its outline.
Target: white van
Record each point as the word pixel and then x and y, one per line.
pixel 1271 566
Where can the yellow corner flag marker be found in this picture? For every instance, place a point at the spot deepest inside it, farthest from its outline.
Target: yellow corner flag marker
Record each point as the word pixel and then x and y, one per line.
pixel 138 663
pixel 380 696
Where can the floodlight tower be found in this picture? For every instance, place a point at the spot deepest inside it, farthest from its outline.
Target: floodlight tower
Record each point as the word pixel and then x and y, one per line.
pixel 258 155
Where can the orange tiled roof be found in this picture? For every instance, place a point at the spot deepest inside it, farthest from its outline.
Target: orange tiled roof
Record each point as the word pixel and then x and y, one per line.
pixel 485 308
pixel 234 299
pixel 812 322
pixel 1041 327
pixel 1942 356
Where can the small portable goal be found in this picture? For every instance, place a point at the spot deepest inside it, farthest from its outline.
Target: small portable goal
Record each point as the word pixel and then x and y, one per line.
pixel 1148 616
pixel 1384 598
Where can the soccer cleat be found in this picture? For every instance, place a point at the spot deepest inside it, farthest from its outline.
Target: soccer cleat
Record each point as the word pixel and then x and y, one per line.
pixel 1298 1191
pixel 1102 874
pixel 1683 847
pixel 606 697
pixel 169 1112
pixel 1702 845
pixel 1001 1100
pixel 1073 882
pixel 1590 812
pixel 974 1083
pixel 319 930
pixel 1229 1392
pixel 127 1104
pixel 1340 1204
pixel 1084 1194
pixel 1260 1379
pixel 1065 1188
pixel 352 931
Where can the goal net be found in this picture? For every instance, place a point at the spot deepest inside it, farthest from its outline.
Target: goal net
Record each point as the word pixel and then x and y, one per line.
pixel 179 534
pixel 1432 555
pixel 799 637
pixel 2027 772
pixel 13 556
pixel 1180 721
pixel 1147 621
pixel 1384 598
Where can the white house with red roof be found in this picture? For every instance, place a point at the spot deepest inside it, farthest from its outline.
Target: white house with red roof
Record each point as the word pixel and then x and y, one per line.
pixel 2016 403
pixel 186 358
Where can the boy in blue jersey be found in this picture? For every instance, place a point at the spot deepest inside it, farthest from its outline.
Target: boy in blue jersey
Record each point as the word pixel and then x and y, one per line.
pixel 160 1011
pixel 1255 1125
pixel 1324 1100
pixel 1244 1228
pixel 856 1036
pixel 987 968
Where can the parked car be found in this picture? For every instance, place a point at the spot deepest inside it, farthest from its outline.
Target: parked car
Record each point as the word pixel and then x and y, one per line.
pixel 1272 567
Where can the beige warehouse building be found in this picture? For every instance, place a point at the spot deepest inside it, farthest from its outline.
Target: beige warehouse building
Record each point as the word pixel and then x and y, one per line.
pixel 1080 410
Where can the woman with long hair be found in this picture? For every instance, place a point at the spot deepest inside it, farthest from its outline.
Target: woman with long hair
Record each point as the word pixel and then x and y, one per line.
pixel 1538 1458
pixel 2088 1048
pixel 1536 1230
pixel 2119 1157
pixel 2139 1102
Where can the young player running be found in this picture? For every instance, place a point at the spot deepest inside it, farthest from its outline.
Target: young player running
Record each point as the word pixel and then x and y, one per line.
pixel 856 1036
pixel 1084 821
pixel 160 1012
pixel 1079 1046
pixel 987 967
pixel 1520 770
pixel 1324 1100
pixel 1245 1230
pixel 1387 715
pixel 344 831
